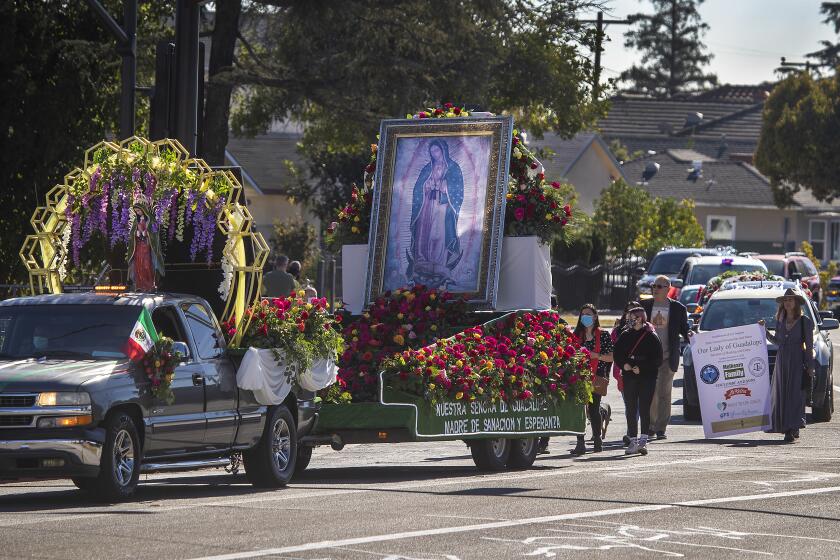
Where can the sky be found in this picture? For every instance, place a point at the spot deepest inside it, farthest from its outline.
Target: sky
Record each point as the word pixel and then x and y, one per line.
pixel 747 37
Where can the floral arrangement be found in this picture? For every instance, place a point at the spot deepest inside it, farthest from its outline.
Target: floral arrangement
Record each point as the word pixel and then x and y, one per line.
pixel 534 206
pixel 715 283
pixel 530 355
pixel 303 331
pixel 409 318
pixel 99 200
pixel 159 364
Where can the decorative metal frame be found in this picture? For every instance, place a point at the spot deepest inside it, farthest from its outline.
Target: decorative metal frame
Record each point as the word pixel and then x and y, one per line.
pixel 390 131
pixel 42 252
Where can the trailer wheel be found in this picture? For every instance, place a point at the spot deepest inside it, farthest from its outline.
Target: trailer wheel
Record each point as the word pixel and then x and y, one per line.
pixel 490 454
pixel 271 463
pixel 523 453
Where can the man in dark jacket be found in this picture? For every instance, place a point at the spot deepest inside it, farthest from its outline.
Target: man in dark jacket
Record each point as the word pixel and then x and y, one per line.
pixel 671 320
pixel 278 282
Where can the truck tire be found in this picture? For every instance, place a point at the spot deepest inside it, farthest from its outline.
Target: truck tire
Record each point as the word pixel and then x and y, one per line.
pixel 303 457
pixel 119 466
pixel 824 413
pixel 523 453
pixel 691 413
pixel 490 454
pixel 271 463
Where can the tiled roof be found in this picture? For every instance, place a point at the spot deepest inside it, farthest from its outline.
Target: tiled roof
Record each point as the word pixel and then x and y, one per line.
pixel 646 117
pixel 737 93
pixel 262 158
pixel 708 147
pixel 566 151
pixel 726 183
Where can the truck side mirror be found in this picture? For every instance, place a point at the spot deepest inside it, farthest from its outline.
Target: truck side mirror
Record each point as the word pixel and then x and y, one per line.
pixel 827 314
pixel 182 350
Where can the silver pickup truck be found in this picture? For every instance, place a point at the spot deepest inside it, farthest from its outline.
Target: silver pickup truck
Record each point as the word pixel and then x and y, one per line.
pixel 73 405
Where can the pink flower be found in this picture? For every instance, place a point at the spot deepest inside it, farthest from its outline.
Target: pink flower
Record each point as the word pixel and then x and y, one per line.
pixel 519 214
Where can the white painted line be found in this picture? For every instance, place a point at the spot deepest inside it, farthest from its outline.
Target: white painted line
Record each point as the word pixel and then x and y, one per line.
pixel 315 493
pixel 512 523
pixel 836 388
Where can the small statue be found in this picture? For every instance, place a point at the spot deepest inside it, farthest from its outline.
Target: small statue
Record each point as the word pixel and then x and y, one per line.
pixel 145 259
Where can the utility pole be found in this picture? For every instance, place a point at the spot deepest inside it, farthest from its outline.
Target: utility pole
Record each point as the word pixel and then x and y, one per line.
pixel 785 66
pixel 600 25
pixel 126 36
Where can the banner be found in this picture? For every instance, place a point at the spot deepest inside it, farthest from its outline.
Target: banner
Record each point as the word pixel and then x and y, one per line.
pixel 733 380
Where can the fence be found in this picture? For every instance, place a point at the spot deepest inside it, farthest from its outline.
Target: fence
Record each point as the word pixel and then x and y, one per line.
pixel 608 285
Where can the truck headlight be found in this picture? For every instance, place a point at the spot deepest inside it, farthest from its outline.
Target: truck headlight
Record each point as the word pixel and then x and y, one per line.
pixel 63 399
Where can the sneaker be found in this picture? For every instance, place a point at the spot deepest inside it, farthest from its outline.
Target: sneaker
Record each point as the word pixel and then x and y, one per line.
pixel 626 440
pixel 789 437
pixel 796 433
pixel 661 435
pixel 643 448
pixel 633 448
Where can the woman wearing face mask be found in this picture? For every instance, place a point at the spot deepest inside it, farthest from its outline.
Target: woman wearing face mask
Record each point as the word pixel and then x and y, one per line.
pixel 599 344
pixel 619 327
pixel 794 369
pixel 638 352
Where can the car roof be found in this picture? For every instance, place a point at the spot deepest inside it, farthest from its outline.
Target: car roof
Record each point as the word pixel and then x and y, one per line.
pixel 717 259
pixel 91 298
pixel 756 290
pixel 689 251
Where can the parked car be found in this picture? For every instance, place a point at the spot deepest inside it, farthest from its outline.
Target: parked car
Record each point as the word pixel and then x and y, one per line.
pixel 792 266
pixel 73 406
pixel 668 262
pixel 699 270
pixel 832 295
pixel 745 304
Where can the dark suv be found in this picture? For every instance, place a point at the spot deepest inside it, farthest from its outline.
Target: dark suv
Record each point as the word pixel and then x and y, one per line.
pixel 668 262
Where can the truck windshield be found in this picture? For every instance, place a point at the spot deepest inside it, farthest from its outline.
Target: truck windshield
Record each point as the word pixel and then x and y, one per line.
pixel 97 332
pixel 723 313
pixel 667 263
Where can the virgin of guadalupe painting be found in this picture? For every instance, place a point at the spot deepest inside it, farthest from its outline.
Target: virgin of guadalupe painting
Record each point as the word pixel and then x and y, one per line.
pixel 436 201
pixel 145 260
pixel 438 206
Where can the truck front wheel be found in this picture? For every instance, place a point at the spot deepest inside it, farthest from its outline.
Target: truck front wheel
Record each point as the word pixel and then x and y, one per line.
pixel 119 467
pixel 271 463
pixel 490 454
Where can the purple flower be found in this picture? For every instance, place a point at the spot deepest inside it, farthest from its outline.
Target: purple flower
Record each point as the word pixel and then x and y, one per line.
pixel 173 214
pixel 135 177
pixel 94 179
pixel 103 209
pixel 151 182
pixel 115 219
pixel 75 236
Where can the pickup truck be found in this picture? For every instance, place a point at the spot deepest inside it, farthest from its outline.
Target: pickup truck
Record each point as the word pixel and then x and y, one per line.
pixel 73 405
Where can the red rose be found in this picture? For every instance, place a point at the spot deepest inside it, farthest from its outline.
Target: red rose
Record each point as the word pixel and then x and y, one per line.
pixel 438 111
pixel 338 319
pixel 304 315
pixel 541 176
pixel 555 184
pixel 456 110
pixel 567 210
pixel 519 214
pixel 564 221
pixel 370 168
pixel 515 140
pixel 534 165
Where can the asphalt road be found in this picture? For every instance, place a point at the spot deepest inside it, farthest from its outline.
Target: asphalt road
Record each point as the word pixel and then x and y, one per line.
pixel 744 497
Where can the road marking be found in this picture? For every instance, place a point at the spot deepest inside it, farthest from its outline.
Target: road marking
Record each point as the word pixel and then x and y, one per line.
pixel 314 493
pixel 512 523
pixel 836 388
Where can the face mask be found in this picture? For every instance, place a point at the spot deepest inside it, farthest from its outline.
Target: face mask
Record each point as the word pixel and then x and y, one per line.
pixel 39 342
pixel 587 320
pixel 633 323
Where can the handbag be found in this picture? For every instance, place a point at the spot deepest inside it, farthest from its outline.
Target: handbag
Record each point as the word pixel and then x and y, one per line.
pixel 599 384
pixel 807 368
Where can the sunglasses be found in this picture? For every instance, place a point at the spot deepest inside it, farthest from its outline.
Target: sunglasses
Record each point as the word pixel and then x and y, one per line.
pixel 660 286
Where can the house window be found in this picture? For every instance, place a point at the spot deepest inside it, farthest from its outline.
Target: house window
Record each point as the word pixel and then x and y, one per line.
pixel 817 238
pixel 720 228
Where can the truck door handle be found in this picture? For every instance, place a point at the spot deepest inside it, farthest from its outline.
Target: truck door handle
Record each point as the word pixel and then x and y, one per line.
pixel 198 379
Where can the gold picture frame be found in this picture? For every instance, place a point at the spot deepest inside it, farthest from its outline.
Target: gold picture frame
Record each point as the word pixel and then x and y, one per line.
pixel 437 216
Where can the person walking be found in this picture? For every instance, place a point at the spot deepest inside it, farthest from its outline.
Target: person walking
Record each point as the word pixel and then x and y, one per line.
pixel 619 327
pixel 670 319
pixel 294 269
pixel 638 352
pixel 599 344
pixel 278 282
pixel 794 370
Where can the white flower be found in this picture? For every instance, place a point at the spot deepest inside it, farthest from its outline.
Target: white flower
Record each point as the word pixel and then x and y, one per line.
pixel 65 248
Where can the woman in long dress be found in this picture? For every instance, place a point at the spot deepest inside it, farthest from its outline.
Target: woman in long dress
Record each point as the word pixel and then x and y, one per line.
pixel 436 203
pixel 795 339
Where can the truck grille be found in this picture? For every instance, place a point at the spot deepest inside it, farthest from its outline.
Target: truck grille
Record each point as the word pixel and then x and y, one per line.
pixel 16 401
pixel 16 420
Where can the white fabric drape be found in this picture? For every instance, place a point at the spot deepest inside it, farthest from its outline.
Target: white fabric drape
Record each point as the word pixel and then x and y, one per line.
pixel 524 275
pixel 271 382
pixel 354 260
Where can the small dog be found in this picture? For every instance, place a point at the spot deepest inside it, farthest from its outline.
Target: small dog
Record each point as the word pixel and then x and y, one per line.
pixel 606 415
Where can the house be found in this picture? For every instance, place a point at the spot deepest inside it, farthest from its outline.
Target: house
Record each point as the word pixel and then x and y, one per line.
pixel 734 203
pixel 264 172
pixel 585 161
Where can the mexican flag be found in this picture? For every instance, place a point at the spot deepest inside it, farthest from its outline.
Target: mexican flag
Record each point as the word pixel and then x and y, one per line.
pixel 143 336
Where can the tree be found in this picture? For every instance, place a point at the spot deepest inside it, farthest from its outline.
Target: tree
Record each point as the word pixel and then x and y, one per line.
pixel 337 68
pixel 633 222
pixel 799 146
pixel 673 54
pixel 668 222
pixel 829 55
pixel 297 240
pixel 61 96
pixel 618 215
